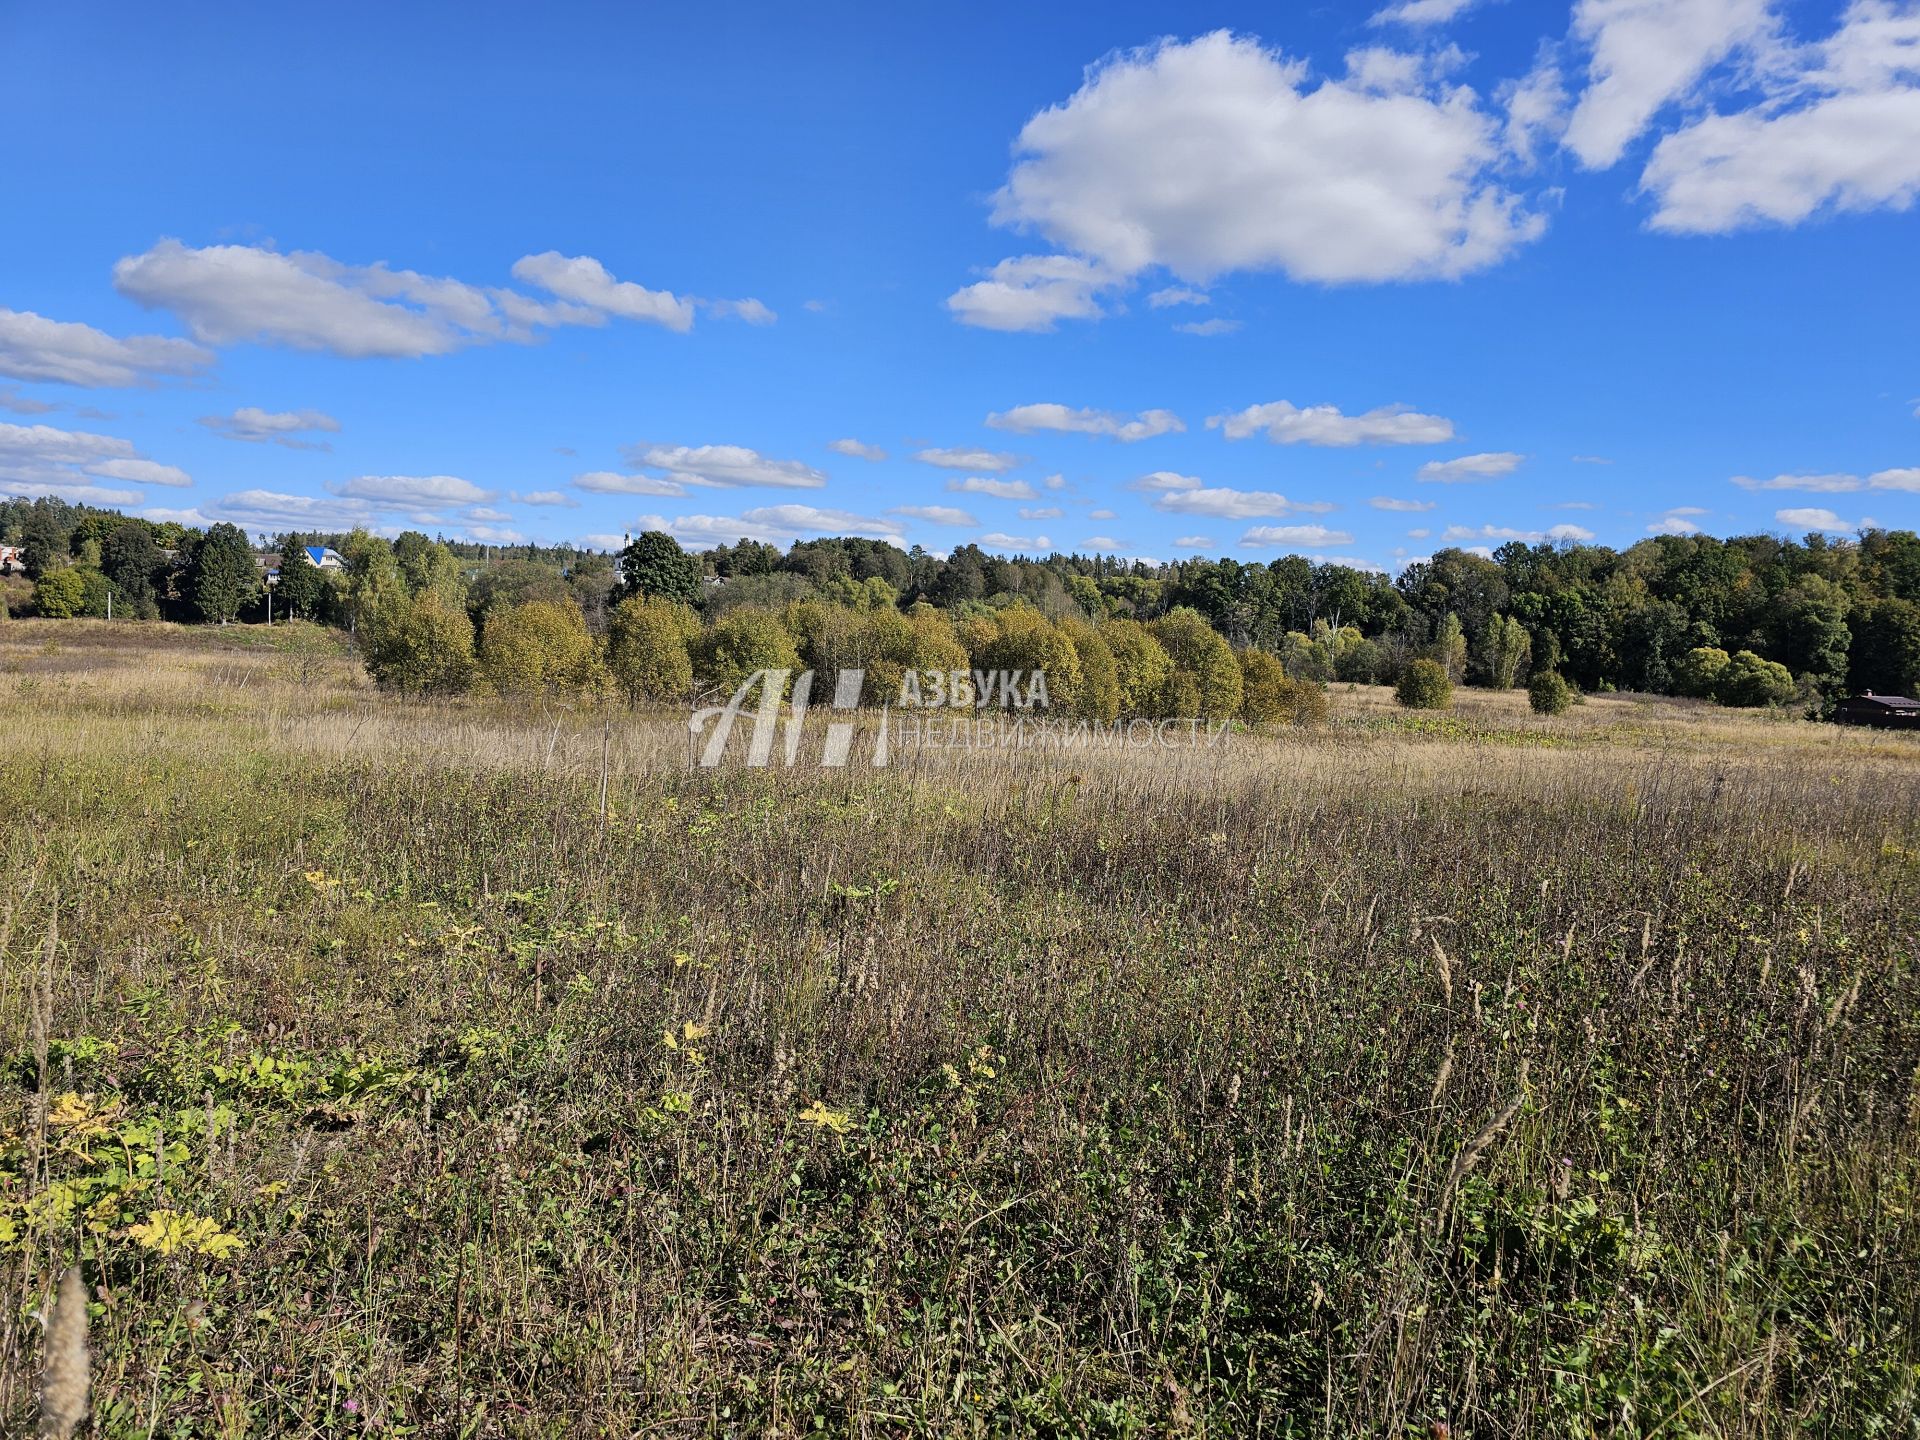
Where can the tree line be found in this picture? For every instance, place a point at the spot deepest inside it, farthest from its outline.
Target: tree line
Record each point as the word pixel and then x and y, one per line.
pixel 1747 620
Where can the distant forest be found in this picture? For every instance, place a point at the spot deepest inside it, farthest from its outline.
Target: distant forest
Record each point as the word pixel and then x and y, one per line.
pixel 1663 616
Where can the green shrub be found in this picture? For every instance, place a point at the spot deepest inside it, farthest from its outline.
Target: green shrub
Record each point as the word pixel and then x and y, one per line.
pixel 647 653
pixel 539 648
pixel 1749 680
pixel 1263 696
pixel 1425 686
pixel 741 642
pixel 1548 693
pixel 1699 670
pixel 60 595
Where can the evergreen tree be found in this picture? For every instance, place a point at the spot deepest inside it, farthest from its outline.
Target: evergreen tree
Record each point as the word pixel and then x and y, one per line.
pixel 221 578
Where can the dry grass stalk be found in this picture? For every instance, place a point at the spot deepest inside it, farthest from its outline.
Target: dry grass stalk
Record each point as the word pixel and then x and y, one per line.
pixel 64 1378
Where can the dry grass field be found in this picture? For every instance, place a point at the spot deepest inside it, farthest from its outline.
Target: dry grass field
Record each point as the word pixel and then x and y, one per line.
pixel 450 1070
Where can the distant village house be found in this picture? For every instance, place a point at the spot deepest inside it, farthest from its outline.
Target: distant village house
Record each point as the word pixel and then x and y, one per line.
pixel 1888 712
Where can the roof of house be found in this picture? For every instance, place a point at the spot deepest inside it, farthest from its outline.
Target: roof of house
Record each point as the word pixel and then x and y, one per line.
pixel 1885 702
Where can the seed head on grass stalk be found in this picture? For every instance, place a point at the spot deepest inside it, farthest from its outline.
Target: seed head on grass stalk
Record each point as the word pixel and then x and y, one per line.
pixel 64 1377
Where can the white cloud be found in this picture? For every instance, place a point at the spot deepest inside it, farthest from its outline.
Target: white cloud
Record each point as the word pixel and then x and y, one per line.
pixel 140 472
pixel 1388 502
pixel 1673 525
pixel 1645 53
pixel 273 510
pixel 856 449
pixel 1470 467
pixel 1217 154
pixel 601 542
pixel 1310 537
pixel 1055 482
pixel 1223 503
pixel 1218 325
pixel 1041 512
pixel 1194 542
pixel 42 459
pixel 999 489
pixel 228 294
pixel 1576 505
pixel 1032 293
pixel 775 524
pixel 1837 131
pixel 1177 295
pixel 1590 460
pixel 1814 518
pixel 1288 424
pixel 1536 107
pixel 960 458
pixel 1420 534
pixel 1907 479
pixel 1821 484
pixel 413 492
pixel 1101 515
pixel 1421 12
pixel 722 465
pixel 617 482
pixel 12 400
pixel 1502 532
pixel 74 492
pixel 1029 419
pixel 937 514
pixel 1103 542
pixel 749 310
pixel 65 352
pixel 281 427
pixel 994 540
pixel 583 280
pixel 1160 480
pixel 548 497
pixel 487 534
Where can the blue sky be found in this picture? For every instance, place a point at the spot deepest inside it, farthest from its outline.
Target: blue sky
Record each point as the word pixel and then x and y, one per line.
pixel 1340 281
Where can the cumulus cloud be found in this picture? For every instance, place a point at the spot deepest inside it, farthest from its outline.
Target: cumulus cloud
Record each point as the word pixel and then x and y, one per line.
pixel 1032 544
pixel 1388 502
pixel 1421 12
pixel 1815 518
pixel 582 280
pixel 774 524
pixel 1673 525
pixel 1218 325
pixel 12 401
pixel 1645 53
pixel 1177 295
pixel 1033 293
pixel 1030 419
pixel 725 466
pixel 280 427
pixel 618 482
pixel 749 310
pixel 1103 542
pixel 65 352
pixel 1194 542
pixel 960 458
pixel 412 492
pixel 1042 512
pixel 1160 480
pixel 1289 424
pixel 1218 154
pixel 999 489
pixel 1221 502
pixel 1840 484
pixel 227 294
pixel 1485 466
pixel 856 449
pixel 1838 130
pixel 45 460
pixel 1308 537
pixel 548 497
pixel 1502 532
pixel 274 510
pixel 937 514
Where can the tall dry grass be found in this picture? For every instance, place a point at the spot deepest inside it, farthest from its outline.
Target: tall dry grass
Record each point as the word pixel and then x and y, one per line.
pixel 1520 1076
